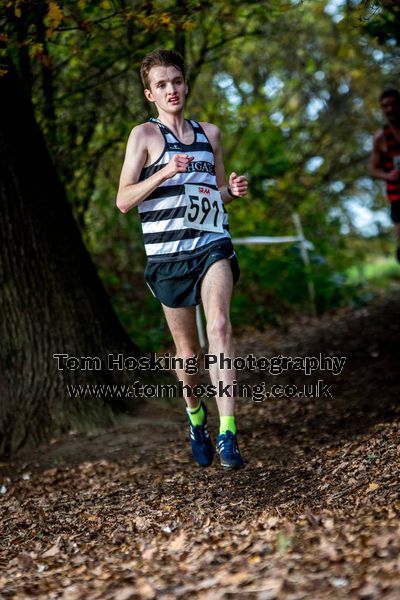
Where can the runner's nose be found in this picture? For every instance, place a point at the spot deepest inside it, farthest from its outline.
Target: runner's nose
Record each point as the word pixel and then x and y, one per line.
pixel 171 88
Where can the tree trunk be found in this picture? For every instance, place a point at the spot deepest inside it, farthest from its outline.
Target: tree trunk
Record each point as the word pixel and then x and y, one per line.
pixel 52 300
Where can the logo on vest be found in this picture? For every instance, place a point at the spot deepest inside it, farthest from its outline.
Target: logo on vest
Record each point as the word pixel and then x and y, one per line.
pixel 201 166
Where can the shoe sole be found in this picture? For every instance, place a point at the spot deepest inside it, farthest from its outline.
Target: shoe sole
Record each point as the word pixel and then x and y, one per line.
pixel 232 467
pixel 226 466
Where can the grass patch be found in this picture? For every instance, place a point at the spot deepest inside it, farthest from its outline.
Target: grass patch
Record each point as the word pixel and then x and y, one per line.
pixel 377 271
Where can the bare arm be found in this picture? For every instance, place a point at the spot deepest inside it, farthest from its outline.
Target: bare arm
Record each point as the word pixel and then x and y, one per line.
pixel 375 166
pixel 237 184
pixel 131 191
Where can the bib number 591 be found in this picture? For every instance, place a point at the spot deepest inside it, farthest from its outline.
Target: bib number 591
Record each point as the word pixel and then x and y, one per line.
pixel 203 212
pixel 200 208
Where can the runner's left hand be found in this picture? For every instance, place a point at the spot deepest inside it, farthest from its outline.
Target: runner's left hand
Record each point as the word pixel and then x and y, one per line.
pixel 238 184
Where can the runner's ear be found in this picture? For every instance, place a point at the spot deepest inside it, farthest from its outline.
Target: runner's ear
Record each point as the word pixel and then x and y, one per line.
pixel 148 95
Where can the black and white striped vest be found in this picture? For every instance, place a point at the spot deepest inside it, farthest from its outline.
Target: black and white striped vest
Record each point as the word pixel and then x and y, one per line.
pixel 166 237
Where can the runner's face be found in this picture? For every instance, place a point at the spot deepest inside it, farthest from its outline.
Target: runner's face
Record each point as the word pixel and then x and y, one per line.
pixel 391 109
pixel 167 89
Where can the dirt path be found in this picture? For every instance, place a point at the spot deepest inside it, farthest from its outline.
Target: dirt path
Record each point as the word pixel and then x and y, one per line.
pixel 124 513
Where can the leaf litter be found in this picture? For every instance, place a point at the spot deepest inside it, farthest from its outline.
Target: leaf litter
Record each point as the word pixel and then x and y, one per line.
pixel 125 514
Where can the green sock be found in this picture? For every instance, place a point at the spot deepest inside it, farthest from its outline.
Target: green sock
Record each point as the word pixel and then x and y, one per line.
pixel 196 415
pixel 227 424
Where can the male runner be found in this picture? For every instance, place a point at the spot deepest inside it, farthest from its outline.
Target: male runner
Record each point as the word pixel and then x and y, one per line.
pixel 385 156
pixel 173 171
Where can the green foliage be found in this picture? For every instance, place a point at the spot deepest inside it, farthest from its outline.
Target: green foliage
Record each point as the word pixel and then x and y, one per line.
pixel 378 272
pixel 294 91
pixel 274 283
pixel 382 22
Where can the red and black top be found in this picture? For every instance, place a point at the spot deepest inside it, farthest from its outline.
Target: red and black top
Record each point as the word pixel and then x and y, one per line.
pixel 388 163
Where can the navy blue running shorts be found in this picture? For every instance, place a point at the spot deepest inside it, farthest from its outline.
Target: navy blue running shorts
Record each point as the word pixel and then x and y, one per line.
pixel 177 283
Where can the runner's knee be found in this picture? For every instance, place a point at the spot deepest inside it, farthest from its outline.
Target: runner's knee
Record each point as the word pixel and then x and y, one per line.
pixel 219 329
pixel 186 352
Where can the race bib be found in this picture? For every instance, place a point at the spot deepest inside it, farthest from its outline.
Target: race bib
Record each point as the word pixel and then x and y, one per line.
pixel 204 210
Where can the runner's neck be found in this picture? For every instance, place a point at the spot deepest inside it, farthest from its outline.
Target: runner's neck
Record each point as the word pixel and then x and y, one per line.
pixel 179 126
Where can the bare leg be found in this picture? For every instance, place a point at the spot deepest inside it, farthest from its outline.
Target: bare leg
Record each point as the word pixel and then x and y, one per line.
pixel 216 292
pixel 182 325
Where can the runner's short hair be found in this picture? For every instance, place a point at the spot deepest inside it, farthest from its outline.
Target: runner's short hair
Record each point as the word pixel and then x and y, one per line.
pixel 160 58
pixel 390 93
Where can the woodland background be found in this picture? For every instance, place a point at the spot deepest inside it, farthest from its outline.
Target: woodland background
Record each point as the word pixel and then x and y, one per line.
pixel 294 87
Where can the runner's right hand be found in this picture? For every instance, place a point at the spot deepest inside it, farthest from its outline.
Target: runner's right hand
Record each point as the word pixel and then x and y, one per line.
pixel 178 164
pixel 393 175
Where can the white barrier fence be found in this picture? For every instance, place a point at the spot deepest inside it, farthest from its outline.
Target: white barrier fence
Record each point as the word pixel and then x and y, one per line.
pixel 305 246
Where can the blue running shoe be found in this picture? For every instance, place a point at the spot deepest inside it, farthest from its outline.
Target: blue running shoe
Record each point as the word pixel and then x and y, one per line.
pixel 202 448
pixel 228 450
